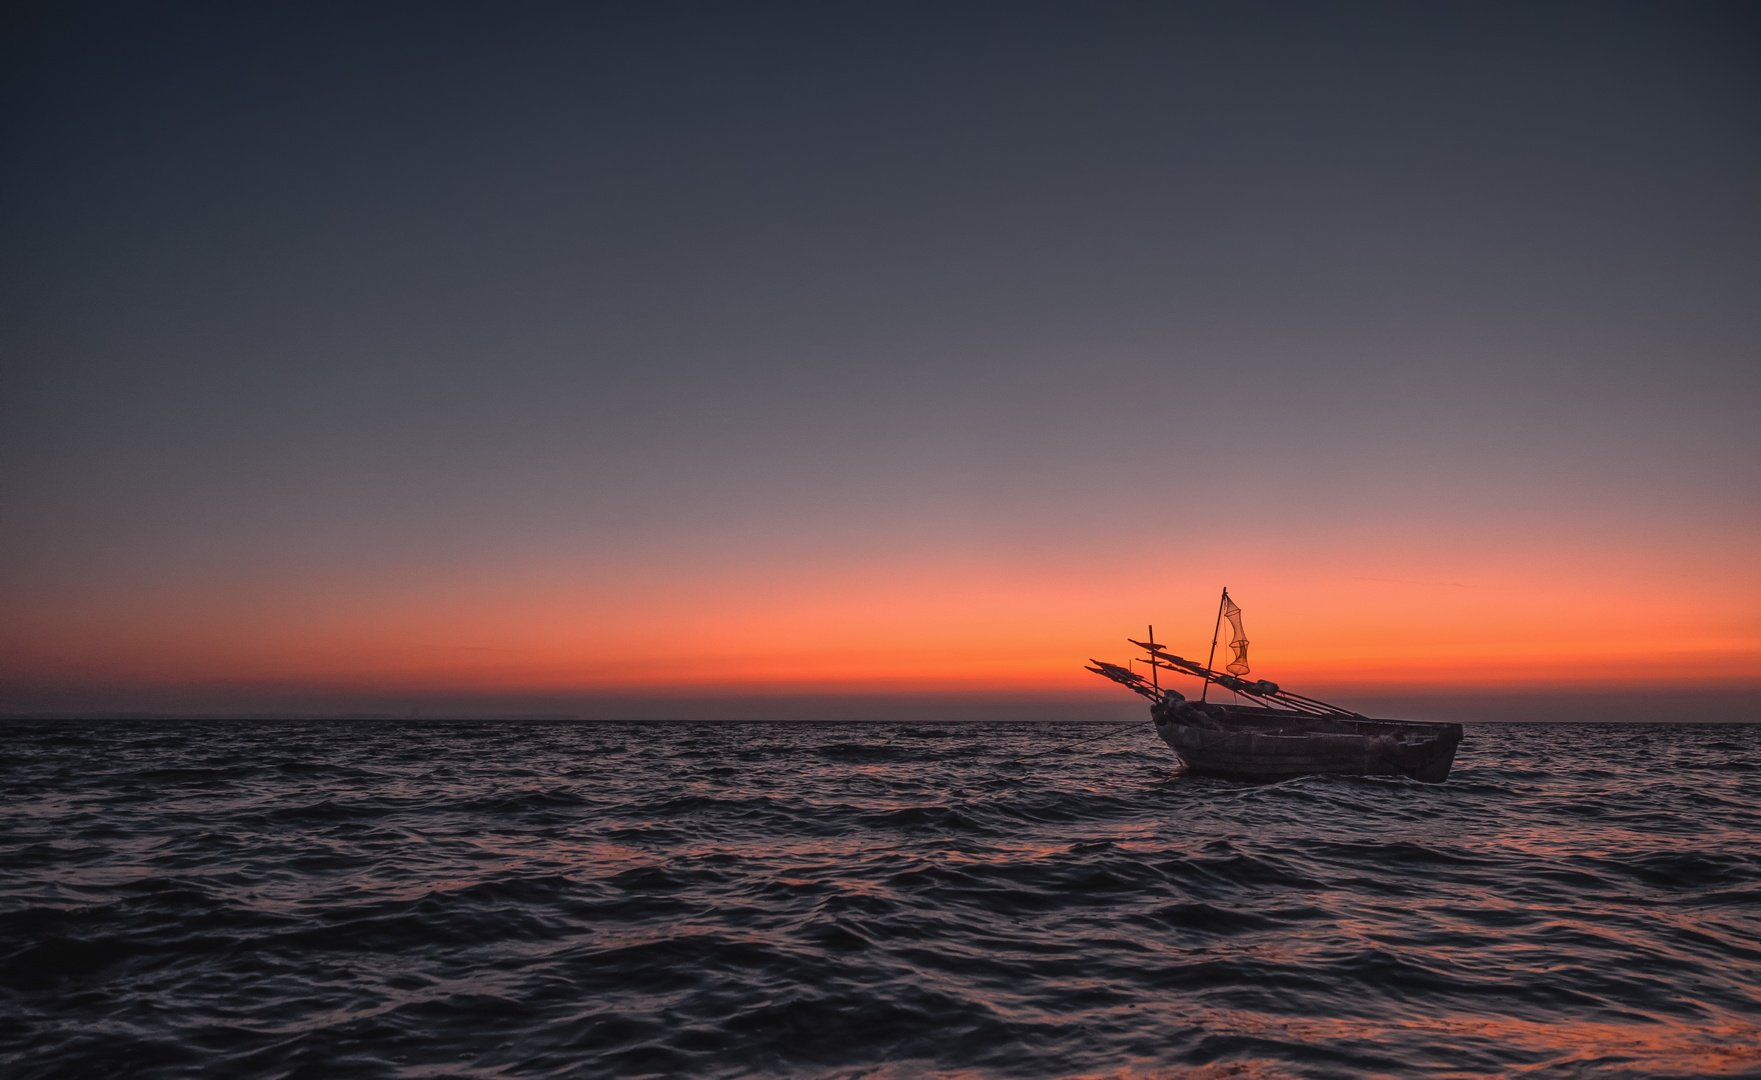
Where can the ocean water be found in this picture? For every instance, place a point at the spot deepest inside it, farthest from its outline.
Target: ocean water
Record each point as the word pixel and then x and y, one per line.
pixel 337 900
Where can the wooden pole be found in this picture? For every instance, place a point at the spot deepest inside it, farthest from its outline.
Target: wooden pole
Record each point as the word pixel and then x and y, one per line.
pixel 1215 631
pixel 1154 667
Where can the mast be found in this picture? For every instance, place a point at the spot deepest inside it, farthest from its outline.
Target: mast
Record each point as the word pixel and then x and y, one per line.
pixel 1215 632
pixel 1154 672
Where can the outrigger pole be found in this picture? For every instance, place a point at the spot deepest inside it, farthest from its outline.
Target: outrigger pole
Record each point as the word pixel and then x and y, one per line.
pixel 1267 693
pixel 1216 631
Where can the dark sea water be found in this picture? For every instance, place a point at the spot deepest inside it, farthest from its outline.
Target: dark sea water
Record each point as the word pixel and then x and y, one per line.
pixel 514 899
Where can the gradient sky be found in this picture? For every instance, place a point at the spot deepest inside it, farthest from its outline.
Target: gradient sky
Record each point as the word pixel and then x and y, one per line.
pixel 412 349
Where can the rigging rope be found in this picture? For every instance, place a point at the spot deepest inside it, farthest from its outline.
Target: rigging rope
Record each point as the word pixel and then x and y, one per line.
pixel 1079 742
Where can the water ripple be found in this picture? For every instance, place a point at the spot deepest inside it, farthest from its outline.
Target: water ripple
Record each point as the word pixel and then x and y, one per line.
pixel 286 900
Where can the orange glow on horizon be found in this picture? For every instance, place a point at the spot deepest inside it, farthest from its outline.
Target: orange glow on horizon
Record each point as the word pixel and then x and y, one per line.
pixel 1348 623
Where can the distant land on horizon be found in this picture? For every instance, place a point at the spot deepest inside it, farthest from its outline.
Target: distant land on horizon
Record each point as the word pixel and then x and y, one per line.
pixel 1731 706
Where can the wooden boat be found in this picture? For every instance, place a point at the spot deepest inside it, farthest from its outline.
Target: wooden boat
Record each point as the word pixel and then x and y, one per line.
pixel 1269 733
pixel 1251 743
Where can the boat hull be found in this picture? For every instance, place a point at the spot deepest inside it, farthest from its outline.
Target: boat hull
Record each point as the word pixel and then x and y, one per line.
pixel 1267 745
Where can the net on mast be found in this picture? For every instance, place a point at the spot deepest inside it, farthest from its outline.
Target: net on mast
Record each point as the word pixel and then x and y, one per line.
pixel 1238 637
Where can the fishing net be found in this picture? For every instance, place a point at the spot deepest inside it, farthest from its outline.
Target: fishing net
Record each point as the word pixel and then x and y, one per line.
pixel 1238 637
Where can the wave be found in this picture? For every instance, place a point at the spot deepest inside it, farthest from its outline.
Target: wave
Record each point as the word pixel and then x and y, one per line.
pixel 879 900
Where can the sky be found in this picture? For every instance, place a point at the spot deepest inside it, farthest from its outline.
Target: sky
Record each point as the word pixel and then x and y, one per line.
pixel 379 353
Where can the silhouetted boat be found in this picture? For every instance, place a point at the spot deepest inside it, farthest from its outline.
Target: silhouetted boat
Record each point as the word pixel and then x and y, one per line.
pixel 1277 734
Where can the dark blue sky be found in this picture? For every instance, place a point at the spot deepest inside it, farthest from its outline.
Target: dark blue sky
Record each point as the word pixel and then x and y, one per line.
pixel 302 293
